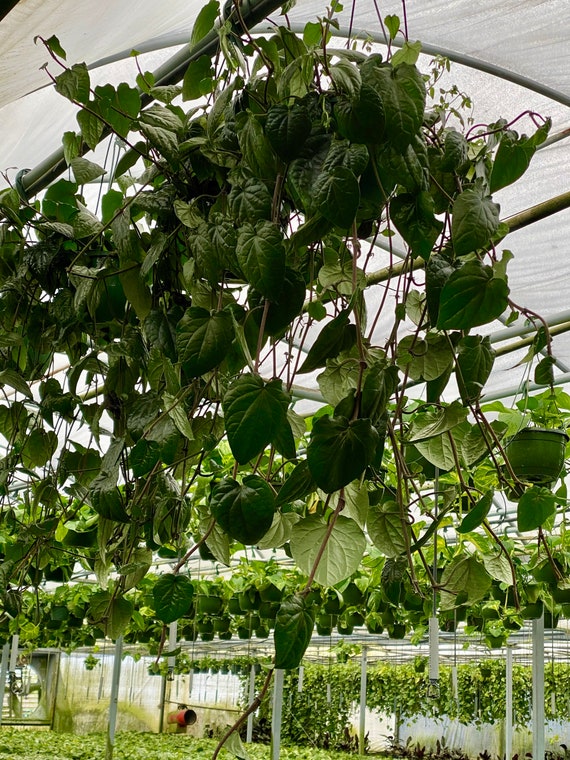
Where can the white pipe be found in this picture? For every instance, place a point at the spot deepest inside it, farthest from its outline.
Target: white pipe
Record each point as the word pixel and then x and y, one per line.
pixel 4 672
pixel 538 687
pixel 301 677
pixel 14 653
pixel 249 732
pixel 114 702
pixel 362 721
pixel 509 703
pixel 433 649
pixel 278 680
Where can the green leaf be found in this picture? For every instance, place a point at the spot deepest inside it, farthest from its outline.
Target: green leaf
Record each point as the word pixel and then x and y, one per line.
pixel 288 305
pixel 250 202
pixel 74 83
pixel 172 595
pixel 432 423
pixel 386 529
pixel 514 155
pixel 280 531
pixel 535 507
pixel 254 412
pixel 293 630
pixel 85 171
pixel 472 296
pixel 205 21
pixel 54 45
pixel 16 381
pixel 91 127
pixel 403 93
pixel 244 511
pixel 312 34
pixel 466 578
pixel 425 359
pixel 475 219
pixel 336 336
pixel 342 554
pixel 392 24
pixel 475 358
pixel 337 196
pixel 499 568
pixel 39 447
pixel 340 450
pixel 297 485
pixel 414 218
pixel 287 129
pixel 360 118
pixel 198 79
pixel 474 518
pixel 544 371
pixel 261 256
pixel 203 339
pixel 408 53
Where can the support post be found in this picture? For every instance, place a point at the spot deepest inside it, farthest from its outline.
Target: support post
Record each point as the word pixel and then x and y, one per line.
pixel 249 732
pixel 3 674
pixel 278 680
pixel 114 704
pixel 509 704
pixel 538 687
pixel 362 722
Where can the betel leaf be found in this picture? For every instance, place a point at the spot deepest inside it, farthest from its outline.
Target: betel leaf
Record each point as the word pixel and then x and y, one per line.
pixel 475 219
pixel 172 595
pixel 254 411
pixel 337 196
pixel 91 127
pixel 403 94
pixel 340 557
pixel 203 339
pixel 514 155
pixel 475 358
pixel 198 78
pixel 474 518
pixel 251 201
pixel 432 423
pixel 336 336
pixel 473 295
pixel 293 630
pixel 425 358
pixel 261 256
pixel 438 451
pixel 297 485
pixel 544 371
pixel 287 128
pixel 360 118
pixel 438 272
pixel 245 511
pixel 464 577
pixel 39 447
pixel 288 305
pixel 340 450
pixel 204 22
pixel 387 529
pixel 535 506
pixel 73 83
pixel 280 531
pixel 414 218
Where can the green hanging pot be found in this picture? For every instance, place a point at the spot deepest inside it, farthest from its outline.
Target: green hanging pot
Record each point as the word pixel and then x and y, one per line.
pixel 536 455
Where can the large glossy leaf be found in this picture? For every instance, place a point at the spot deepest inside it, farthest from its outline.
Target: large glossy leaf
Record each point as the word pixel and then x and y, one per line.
pixel 342 554
pixel 402 90
pixel 473 295
pixel 514 155
pixel 204 21
pixel 340 450
pixel 261 256
pixel 203 339
pixel 361 118
pixel 73 83
pixel 474 518
pixel 287 128
pixel 245 511
pixel 337 335
pixel 438 272
pixel 535 506
pixel 112 613
pixel 297 485
pixel 431 423
pixel 425 358
pixel 250 201
pixel 475 358
pixel 254 411
pixel 475 220
pixel 464 580
pixel 414 218
pixel 293 630
pixel 288 305
pixel 172 595
pixel 386 529
pixel 337 196
pixel 304 171
pixel 280 531
pixel 39 447
pixel 408 167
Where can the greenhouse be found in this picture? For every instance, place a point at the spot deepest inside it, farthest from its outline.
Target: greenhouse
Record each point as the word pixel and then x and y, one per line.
pixel 284 379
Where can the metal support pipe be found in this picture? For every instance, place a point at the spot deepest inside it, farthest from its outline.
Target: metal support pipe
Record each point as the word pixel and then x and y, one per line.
pixel 509 703
pixel 4 673
pixel 114 703
pixel 249 732
pixel 278 680
pixel 538 687
pixel 362 721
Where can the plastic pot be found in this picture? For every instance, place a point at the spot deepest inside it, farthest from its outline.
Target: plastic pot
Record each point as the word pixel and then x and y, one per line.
pixel 536 455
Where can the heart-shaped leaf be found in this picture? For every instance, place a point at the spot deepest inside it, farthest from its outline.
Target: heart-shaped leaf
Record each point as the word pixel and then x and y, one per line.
pixel 535 506
pixel 475 220
pixel 172 595
pixel 203 339
pixel 293 630
pixel 337 196
pixel 477 514
pixel 340 450
pixel 287 129
pixel 475 358
pixel 244 511
pixel 261 256
pixel 473 295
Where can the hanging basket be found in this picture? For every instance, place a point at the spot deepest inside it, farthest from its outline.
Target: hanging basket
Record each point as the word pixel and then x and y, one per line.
pixel 536 455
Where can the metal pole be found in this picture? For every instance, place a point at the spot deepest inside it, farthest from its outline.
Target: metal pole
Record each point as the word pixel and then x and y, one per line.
pixel 249 732
pixel 278 680
pixel 3 674
pixel 362 723
pixel 538 687
pixel 509 704
pixel 114 704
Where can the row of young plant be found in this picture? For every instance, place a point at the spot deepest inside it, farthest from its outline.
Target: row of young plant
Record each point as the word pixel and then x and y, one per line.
pixel 317 709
